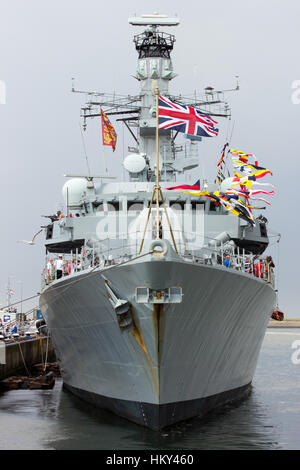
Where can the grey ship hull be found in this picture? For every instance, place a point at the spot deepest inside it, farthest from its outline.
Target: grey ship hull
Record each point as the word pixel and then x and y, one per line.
pixel 180 359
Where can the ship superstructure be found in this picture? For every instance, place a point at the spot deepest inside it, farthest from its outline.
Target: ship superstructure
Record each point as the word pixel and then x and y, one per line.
pixel 145 318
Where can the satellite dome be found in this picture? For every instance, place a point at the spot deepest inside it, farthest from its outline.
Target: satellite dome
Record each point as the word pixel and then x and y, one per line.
pixel 134 163
pixel 73 191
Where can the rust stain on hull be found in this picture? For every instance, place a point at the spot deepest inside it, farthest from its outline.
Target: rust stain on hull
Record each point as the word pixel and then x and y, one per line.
pixel 139 338
pixel 137 335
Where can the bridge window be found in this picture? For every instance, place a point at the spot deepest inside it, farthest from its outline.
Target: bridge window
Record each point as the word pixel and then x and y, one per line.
pixel 177 205
pixel 198 206
pixel 113 206
pixel 135 205
pixel 99 207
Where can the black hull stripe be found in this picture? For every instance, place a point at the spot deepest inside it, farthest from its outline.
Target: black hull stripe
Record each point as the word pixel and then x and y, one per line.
pixel 157 417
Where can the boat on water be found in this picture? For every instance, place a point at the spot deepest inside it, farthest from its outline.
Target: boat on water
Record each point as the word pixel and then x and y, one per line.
pixel 156 307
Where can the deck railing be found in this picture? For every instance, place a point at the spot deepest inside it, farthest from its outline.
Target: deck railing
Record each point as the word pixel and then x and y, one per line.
pixel 191 247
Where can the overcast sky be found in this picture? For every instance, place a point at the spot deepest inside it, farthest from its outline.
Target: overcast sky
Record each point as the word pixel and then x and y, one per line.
pixel 45 43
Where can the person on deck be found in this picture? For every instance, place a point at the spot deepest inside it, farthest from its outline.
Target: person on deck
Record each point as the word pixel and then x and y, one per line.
pixel 50 269
pixel 269 265
pixel 59 267
pixel 259 269
pixel 227 262
pixel 248 266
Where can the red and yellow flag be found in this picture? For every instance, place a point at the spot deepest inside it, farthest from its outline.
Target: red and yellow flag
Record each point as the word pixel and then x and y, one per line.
pixel 108 132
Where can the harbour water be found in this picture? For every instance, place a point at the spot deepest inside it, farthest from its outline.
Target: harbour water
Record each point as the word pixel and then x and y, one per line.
pixel 268 419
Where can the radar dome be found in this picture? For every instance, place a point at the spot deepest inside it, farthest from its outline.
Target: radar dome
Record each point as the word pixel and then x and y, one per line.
pixel 73 191
pixel 134 163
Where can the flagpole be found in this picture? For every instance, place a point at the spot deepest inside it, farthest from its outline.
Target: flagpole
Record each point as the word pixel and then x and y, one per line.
pixel 157 189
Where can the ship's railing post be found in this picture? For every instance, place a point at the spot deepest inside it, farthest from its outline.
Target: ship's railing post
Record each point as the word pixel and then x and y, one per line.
pixel 272 278
pixel 43 280
pixel 222 253
pixel 259 269
pixel 49 275
pixel 215 254
pixel 45 273
pixel 82 257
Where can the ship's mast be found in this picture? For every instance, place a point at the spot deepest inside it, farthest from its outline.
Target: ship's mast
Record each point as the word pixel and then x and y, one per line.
pixel 138 113
pixel 154 71
pixel 157 192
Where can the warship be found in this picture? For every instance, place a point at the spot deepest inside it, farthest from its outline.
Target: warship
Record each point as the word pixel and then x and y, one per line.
pixel 146 318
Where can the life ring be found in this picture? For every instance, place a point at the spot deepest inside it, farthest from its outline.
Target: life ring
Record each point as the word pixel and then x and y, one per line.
pixel 277 315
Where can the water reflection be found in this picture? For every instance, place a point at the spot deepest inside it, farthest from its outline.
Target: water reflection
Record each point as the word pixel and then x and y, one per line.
pixel 62 421
pixel 268 419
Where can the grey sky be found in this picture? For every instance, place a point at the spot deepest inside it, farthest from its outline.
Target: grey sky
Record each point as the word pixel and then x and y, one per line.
pixel 45 43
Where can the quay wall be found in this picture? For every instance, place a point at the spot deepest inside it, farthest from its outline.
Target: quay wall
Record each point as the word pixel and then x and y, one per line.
pixel 20 356
pixel 288 323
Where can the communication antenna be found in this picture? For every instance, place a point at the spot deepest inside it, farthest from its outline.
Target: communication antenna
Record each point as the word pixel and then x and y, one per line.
pixel 153 20
pixel 90 177
pixel 85 152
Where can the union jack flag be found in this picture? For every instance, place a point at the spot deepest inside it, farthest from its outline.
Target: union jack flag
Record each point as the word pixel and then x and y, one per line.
pixel 185 119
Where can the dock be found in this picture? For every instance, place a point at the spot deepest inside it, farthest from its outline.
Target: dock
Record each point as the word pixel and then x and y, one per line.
pixel 20 355
pixel 287 323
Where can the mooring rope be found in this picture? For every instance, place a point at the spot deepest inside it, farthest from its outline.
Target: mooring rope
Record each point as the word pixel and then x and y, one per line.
pixel 23 360
pixel 46 357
